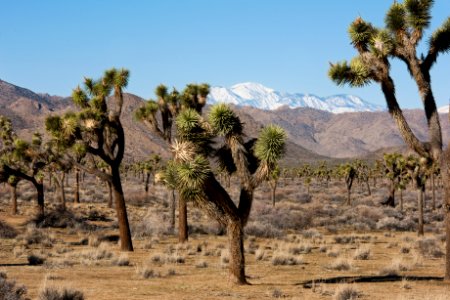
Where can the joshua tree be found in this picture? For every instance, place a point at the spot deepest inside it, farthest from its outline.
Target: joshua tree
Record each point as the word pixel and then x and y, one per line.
pixel 149 166
pixel 273 178
pixel 363 173
pixel 404 27
pixel 167 176
pixel 251 161
pixel 394 169
pixel 97 130
pixel 417 171
pixel 12 182
pixel 159 114
pixel 306 173
pixel 20 159
pixel 348 172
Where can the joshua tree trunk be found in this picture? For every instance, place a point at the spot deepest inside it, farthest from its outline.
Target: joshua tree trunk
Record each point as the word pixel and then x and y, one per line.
pixel 433 193
pixel 110 196
pixel 62 194
pixel 273 189
pixel 401 200
pixel 121 210
pixel 420 193
pixel 237 258
pixel 391 200
pixel 40 196
pixel 13 198
pixel 76 198
pixel 182 220
pixel 147 181
pixel 368 187
pixel 172 212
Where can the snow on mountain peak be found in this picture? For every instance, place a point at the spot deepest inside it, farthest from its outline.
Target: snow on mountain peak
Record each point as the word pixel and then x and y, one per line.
pixel 259 96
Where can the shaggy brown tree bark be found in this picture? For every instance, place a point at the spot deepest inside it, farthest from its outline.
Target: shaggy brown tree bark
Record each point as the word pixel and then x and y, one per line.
pixel 183 235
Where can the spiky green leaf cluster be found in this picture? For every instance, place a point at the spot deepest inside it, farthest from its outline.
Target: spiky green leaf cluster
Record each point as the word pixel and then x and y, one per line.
pixel 355 74
pixel 191 175
pixel 147 112
pixel 395 18
pixel 418 13
pixel 271 143
pixel 224 121
pixel 382 44
pixel 440 40
pixel 361 33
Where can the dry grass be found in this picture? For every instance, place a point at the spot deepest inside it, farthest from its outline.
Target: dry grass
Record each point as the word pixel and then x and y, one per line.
pixel 283 256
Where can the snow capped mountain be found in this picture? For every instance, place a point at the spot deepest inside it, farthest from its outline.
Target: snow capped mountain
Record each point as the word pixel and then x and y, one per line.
pixel 443 109
pixel 259 96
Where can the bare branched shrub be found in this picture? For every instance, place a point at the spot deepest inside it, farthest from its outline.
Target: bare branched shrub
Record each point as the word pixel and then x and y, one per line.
pixel 346 292
pixel 147 272
pixel 284 259
pixel 175 259
pixel 362 253
pixel 34 235
pixel 396 266
pixel 201 264
pixel 51 293
pixel 341 264
pixel 121 261
pixel 9 290
pixel 277 293
pixel 429 247
pixel 7 231
pixel 260 254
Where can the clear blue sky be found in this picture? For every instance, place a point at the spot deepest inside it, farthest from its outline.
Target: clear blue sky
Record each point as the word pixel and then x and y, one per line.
pixel 48 46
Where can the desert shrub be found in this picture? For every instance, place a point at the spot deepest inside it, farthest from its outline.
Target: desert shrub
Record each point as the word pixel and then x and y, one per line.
pixel 277 293
pixel 333 252
pixel 362 253
pixel 224 257
pixel 152 224
pixel 263 230
pixel 60 218
pixel 157 259
pixel 9 290
pixel 344 239
pixel 95 215
pixel 35 260
pixel 311 233
pixel 300 249
pixel 286 216
pixel 50 293
pixel 121 261
pixel 347 292
pixel 175 259
pixel 429 247
pixel 7 231
pixel 34 235
pixel 395 267
pixel 201 265
pixel 391 223
pixel 146 272
pixel 283 259
pixel 260 254
pixel 96 254
pixel 341 264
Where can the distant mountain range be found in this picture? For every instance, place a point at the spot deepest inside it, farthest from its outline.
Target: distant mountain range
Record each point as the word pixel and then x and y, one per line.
pixel 312 134
pixel 258 96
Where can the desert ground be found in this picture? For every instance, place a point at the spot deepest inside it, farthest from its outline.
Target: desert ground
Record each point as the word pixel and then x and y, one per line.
pixel 290 248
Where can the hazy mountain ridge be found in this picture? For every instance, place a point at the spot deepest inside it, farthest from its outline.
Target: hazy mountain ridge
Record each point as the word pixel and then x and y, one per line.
pixel 312 134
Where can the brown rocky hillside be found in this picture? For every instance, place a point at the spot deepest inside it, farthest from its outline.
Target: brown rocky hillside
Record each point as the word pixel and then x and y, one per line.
pixel 313 134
